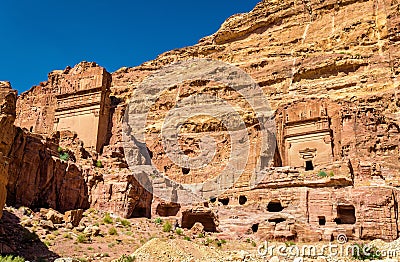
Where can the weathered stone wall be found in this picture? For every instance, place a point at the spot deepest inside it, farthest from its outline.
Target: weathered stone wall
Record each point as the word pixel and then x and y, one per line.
pixel 39 178
pixel 328 68
pixel 74 99
pixel 338 53
pixel 8 99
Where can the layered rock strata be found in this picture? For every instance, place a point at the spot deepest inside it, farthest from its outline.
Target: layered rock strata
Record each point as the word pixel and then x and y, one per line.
pixel 329 70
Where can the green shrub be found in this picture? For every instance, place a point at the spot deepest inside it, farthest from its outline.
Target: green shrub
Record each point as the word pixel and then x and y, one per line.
pixel 107 219
pixel 60 149
pixel 220 242
pixel 125 222
pixel 67 235
pixel 331 173
pixel 364 252
pixel 200 235
pixel 81 238
pixel 64 156
pixel 167 226
pixel 99 164
pixel 112 231
pixel 11 259
pixel 253 243
pixel 208 241
pixel 322 174
pixel 186 238
pixel 179 231
pixel 158 221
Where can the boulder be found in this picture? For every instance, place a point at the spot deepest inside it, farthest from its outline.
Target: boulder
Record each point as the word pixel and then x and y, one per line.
pixel 197 229
pixel 54 216
pixel 73 217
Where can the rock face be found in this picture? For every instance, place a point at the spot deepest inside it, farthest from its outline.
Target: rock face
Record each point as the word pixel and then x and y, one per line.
pixel 39 178
pixel 121 194
pixel 75 99
pixel 8 98
pixel 330 72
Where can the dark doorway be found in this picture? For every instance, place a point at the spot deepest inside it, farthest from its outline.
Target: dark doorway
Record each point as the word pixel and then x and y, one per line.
pixel 346 214
pixel 274 206
pixel 242 200
pixel 254 228
pixel 224 201
pixel 309 165
pixel 207 219
pixel 322 221
pixel 185 171
pixel 276 220
pixel 140 212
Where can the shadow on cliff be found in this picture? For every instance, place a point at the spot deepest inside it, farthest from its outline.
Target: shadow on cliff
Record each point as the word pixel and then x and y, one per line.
pixel 17 241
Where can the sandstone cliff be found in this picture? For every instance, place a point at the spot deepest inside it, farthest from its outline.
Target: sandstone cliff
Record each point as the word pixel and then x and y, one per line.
pixel 8 99
pixel 39 178
pixel 329 70
pixel 342 51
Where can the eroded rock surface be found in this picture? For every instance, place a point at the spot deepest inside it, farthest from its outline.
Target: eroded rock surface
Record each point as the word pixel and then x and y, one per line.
pixel 330 72
pixel 8 99
pixel 39 178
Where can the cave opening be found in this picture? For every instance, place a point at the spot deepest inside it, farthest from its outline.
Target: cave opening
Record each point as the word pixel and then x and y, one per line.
pixel 185 170
pixel 224 201
pixel 276 220
pixel 189 218
pixel 346 214
pixel 309 165
pixel 321 220
pixel 274 206
pixel 140 212
pixel 242 200
pixel 254 228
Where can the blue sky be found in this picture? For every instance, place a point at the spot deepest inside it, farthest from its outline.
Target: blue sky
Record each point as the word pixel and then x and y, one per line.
pixel 40 36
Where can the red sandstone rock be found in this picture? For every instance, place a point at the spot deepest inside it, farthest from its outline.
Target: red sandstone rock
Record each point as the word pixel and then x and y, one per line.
pixel 73 217
pixel 7 115
pixel 329 70
pixel 38 177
